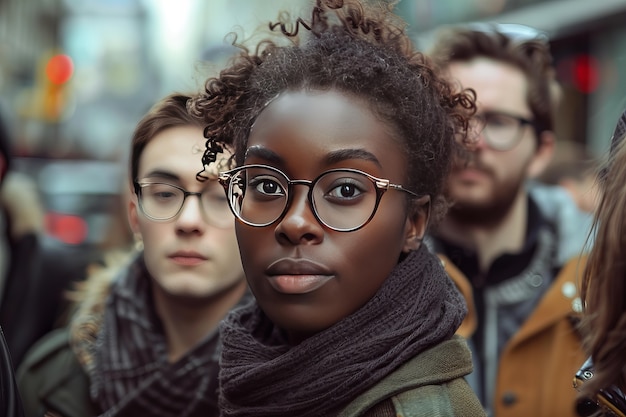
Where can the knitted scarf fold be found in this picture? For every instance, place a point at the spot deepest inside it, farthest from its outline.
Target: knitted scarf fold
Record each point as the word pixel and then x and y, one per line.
pixel 416 308
pixel 131 375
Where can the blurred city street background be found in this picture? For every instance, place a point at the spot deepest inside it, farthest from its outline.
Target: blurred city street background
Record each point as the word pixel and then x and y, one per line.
pixel 77 75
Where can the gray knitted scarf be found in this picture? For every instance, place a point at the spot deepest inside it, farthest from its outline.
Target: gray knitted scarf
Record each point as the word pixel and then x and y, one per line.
pixel 417 307
pixel 132 376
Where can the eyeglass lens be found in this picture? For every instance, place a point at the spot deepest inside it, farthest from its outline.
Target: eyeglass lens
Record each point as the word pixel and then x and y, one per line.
pixel 501 131
pixel 342 200
pixel 161 201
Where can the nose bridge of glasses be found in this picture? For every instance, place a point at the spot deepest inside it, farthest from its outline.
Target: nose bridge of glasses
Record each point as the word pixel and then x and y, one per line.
pixel 307 194
pixel 185 204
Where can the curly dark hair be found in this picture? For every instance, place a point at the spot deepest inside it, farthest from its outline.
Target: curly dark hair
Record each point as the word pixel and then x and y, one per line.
pixel 352 48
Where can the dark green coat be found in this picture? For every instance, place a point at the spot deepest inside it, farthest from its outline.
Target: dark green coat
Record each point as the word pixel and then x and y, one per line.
pixel 430 384
pixel 51 379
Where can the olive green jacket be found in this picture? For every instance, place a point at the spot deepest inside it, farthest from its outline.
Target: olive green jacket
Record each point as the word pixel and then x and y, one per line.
pixel 431 384
pixel 52 379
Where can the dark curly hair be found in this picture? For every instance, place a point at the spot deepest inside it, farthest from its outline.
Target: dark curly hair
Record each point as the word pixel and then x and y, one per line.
pixel 356 49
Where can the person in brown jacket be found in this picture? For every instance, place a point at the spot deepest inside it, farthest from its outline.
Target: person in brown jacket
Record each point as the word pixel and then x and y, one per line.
pixel 513 242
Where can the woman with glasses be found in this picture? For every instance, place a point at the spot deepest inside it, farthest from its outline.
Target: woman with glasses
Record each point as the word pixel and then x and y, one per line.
pixel 342 137
pixel 144 338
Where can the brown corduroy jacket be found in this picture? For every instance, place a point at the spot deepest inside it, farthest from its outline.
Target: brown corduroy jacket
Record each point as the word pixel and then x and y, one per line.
pixel 537 366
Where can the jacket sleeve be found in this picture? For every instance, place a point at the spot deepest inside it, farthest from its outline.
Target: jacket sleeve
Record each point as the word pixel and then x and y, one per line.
pixel 452 399
pixel 10 401
pixel 50 379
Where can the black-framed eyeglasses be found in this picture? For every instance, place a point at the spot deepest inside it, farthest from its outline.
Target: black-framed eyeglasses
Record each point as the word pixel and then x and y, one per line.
pixel 343 200
pixel 501 131
pixel 161 202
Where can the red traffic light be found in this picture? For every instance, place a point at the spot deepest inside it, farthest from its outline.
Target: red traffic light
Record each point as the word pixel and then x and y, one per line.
pixel 59 69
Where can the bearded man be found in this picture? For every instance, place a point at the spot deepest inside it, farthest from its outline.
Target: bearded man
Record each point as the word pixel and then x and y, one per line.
pixel 512 244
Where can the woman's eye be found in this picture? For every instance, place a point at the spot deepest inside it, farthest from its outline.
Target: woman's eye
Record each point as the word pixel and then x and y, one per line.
pixel 346 189
pixel 267 186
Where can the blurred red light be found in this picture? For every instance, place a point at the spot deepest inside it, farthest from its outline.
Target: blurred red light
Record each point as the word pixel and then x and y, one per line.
pixel 586 73
pixel 59 69
pixel 68 228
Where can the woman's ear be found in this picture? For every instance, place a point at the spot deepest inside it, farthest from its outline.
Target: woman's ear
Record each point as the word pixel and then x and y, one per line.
pixel 416 224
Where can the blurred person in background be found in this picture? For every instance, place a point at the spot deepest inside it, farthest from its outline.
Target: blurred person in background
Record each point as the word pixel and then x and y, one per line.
pixel 35 269
pixel 573 168
pixel 143 339
pixel 512 247
pixel 602 378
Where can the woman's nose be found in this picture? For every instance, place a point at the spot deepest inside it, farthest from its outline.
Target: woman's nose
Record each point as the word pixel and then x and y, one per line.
pixel 299 223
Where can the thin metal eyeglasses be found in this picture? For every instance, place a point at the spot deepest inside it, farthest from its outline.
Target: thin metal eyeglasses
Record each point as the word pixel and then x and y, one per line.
pixel 162 202
pixel 342 199
pixel 501 131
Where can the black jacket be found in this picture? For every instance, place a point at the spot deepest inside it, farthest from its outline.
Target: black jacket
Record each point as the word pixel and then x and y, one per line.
pixel 10 401
pixel 41 271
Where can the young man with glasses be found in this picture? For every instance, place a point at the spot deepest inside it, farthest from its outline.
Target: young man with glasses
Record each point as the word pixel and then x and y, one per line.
pixel 144 338
pixel 516 246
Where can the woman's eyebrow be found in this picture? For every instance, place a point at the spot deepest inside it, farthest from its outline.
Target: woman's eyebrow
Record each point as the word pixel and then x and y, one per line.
pixel 331 158
pixel 346 154
pixel 263 153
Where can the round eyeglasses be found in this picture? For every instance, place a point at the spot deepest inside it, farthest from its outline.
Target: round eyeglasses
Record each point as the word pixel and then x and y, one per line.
pixel 162 202
pixel 501 131
pixel 343 200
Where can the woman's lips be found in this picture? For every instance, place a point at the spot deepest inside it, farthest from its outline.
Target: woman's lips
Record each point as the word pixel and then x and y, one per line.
pixel 297 275
pixel 298 284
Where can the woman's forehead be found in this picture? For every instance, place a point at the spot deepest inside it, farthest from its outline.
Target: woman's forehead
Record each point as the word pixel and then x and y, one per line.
pixel 326 127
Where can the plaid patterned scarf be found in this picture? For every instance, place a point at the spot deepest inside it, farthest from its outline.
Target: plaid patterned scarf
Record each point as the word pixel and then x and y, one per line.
pixel 416 308
pixel 131 375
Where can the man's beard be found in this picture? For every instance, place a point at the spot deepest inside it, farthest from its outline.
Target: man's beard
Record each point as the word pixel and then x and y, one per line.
pixel 490 212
